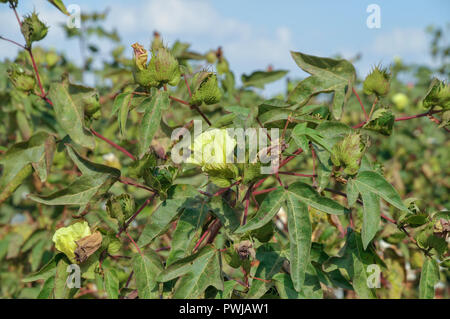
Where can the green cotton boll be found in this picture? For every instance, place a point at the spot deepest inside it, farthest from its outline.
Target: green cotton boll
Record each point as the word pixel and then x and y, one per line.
pixel 348 153
pixel 377 82
pixel 114 246
pixel 21 78
pixel 120 207
pixel 206 89
pixel 33 29
pixel 438 95
pixel 164 67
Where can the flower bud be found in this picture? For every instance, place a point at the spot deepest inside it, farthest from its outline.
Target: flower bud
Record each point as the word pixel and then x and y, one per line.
pixel 157 42
pixel 160 178
pixel 211 57
pixel 206 89
pixel 114 246
pixel 348 153
pixel 438 95
pixel 33 29
pixel 22 79
pixel 120 207
pixel 141 74
pixel 377 82
pixel 65 238
pixel 400 100
pixel 164 67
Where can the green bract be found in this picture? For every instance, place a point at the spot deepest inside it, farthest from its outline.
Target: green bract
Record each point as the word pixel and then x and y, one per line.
pixel 347 153
pixel 162 69
pixel 33 29
pixel 438 95
pixel 21 78
pixel 206 89
pixel 65 238
pixel 377 82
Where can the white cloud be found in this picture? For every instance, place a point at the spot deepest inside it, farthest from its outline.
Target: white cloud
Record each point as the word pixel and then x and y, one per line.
pixel 401 41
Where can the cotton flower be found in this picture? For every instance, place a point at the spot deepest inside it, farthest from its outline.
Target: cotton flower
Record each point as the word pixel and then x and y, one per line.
pixel 65 238
pixel 211 149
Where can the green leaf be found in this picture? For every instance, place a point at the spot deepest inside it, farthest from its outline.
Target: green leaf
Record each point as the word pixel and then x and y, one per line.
pixel 270 262
pixel 371 214
pixel 306 194
pixel 188 227
pixel 260 78
pixel 122 107
pixel 61 291
pixel 111 282
pixel 60 6
pixel 95 181
pixel 268 209
pixel 355 261
pixel 382 121
pixel 300 231
pixel 146 269
pixel 222 210
pixel 198 272
pixel 166 212
pixel 47 289
pixel 378 185
pixel 352 193
pixel 70 114
pixel 47 271
pixel 20 154
pixel 327 75
pixel 301 134
pixel 151 119
pixel 428 278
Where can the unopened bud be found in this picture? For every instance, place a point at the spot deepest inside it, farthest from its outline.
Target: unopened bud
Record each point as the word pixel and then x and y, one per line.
pixel 33 29
pixel 206 89
pixel 348 153
pixel 22 79
pixel 377 82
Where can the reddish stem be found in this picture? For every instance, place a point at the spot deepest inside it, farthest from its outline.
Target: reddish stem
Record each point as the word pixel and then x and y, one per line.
pixel 205 234
pixel 134 243
pixel 297 174
pixel 135 214
pixel 360 103
pixel 117 147
pixel 223 190
pixel 187 85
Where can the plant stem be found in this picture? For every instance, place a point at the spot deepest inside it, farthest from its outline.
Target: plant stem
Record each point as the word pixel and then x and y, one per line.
pixel 194 107
pixel 117 147
pixel 14 42
pixel 148 201
pixel 360 103
pixel 187 85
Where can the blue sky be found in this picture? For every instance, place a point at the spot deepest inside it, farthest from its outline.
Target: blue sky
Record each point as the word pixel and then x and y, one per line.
pixel 256 33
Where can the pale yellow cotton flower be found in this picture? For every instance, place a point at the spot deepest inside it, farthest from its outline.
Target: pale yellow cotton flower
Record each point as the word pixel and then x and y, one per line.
pixel 212 148
pixel 65 238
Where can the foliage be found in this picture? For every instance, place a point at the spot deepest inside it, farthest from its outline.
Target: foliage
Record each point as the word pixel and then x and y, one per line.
pixel 346 198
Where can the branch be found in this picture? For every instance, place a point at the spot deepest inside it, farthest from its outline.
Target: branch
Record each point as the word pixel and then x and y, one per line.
pixel 360 103
pixel 113 144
